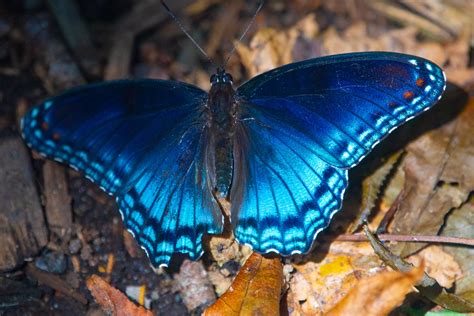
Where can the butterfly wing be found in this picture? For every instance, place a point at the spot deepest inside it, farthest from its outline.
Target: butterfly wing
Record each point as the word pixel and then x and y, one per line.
pixel 343 105
pixel 302 125
pixel 282 193
pixel 145 142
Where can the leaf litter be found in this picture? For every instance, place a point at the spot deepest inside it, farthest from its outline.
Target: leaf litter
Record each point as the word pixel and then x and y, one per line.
pixel 434 175
pixel 430 184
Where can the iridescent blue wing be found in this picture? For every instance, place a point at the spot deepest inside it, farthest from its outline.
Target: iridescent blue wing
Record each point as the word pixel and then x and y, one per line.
pixel 144 142
pixel 343 105
pixel 302 125
pixel 282 194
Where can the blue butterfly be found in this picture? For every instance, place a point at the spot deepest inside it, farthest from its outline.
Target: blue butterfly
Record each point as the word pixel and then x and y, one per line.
pixel 278 147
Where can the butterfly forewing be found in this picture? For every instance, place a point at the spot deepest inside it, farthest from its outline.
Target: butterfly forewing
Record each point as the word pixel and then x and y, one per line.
pixel 342 105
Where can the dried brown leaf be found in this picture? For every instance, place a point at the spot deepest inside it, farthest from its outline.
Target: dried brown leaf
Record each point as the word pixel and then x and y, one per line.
pixel 379 294
pixel 224 249
pixel 460 222
pixel 401 15
pixel 463 77
pixel 255 291
pixel 270 48
pixel 300 307
pixel 319 283
pixel 444 13
pixel 439 176
pixel 112 300
pixel 440 265
pixel 356 38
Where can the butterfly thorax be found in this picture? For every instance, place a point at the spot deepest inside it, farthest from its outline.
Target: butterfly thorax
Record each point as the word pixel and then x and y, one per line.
pixel 222 112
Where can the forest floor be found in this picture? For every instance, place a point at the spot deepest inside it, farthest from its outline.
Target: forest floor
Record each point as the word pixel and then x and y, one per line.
pixel 57 229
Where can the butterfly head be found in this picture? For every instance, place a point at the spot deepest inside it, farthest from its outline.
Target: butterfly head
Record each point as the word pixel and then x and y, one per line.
pixel 221 77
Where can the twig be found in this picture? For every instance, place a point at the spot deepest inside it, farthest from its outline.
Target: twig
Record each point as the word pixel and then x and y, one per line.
pixel 58 201
pixel 408 238
pixel 394 12
pixel 144 15
pixel 225 26
pixel 54 282
pixel 76 34
pixel 428 286
pixel 387 218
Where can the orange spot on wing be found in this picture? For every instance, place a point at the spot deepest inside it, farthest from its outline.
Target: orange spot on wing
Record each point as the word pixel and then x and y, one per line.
pixel 408 94
pixel 44 125
pixel 420 82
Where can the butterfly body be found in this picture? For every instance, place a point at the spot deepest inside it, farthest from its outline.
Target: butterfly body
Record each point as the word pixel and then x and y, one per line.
pixel 278 147
pixel 222 120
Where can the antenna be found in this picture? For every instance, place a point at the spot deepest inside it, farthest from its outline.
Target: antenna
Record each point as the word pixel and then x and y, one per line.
pixel 231 52
pixel 171 14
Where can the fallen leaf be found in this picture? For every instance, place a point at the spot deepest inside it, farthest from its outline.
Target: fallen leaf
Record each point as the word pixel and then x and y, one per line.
pixel 440 265
pixel 264 52
pixel 224 248
pixel 460 166
pixel 112 300
pixel 458 52
pixel 255 291
pixel 319 283
pixel 460 223
pixel 296 308
pixel 408 17
pixel 300 287
pixel 439 176
pixel 462 77
pixel 356 38
pixel 378 294
pixel 271 48
pixel 339 264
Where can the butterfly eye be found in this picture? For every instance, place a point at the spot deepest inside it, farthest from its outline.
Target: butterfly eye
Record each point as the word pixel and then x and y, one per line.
pixel 228 78
pixel 213 78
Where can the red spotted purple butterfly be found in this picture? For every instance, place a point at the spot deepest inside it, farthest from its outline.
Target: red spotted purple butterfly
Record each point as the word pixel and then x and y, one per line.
pixel 278 147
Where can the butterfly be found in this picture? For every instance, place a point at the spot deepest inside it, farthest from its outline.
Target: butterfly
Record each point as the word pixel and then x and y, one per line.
pixel 278 147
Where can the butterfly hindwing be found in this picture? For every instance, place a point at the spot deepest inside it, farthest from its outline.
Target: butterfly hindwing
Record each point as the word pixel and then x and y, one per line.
pixel 175 194
pixel 283 194
pixel 145 142
pixel 303 125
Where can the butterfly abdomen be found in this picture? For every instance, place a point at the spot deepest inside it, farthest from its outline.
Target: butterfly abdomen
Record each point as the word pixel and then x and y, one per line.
pixel 222 126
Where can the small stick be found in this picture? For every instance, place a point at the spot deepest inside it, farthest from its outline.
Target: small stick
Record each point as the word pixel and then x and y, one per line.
pixel 408 238
pixel 54 282
pixel 387 218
